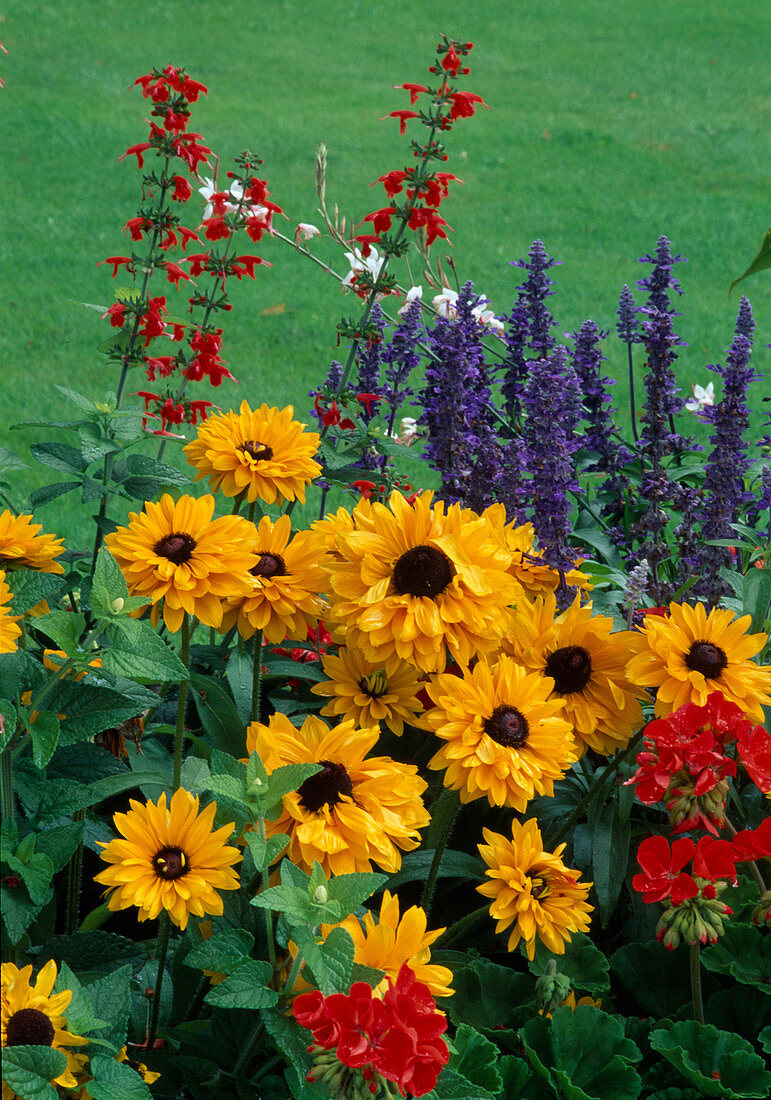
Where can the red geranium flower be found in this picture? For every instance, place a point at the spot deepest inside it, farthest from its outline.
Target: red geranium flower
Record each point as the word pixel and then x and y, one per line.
pixel 661 877
pixel 754 745
pixel 714 859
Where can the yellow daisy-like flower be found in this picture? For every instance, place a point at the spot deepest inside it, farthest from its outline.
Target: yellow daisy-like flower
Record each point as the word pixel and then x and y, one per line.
pixel 264 453
pixel 352 814
pixel 367 693
pixel 177 553
pixel 387 941
pixel 533 889
pixel 691 653
pixel 506 738
pixel 288 578
pixel 527 564
pixel 343 522
pixel 32 1015
pixel 587 662
pixel 169 858
pixel 419 581
pixel 9 629
pixel 21 547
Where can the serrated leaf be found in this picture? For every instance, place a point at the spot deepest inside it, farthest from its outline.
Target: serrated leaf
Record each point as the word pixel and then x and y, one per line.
pixel 488 995
pixel 60 843
pixel 46 493
pixel 453 1086
pixel 44 732
pixel 59 456
pixel 110 998
pixel 28 1070
pixel 289 777
pixel 115 1080
pixel 659 983
pixel 30 587
pixel 300 670
pixel 222 951
pixel 331 962
pixel 699 1051
pixel 36 871
pixel 137 651
pixel 80 1013
pixel 64 627
pixel 292 901
pixel 94 444
pixel 351 890
pixel 247 986
pixel 291 1039
pixel 162 472
pixel 89 951
pixel 475 1058
pixel 8 722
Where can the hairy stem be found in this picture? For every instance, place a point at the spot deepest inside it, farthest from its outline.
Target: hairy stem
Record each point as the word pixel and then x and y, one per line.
pixel 179 735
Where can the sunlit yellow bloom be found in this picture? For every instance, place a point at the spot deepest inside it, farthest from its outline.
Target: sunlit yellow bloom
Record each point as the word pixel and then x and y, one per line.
pixel 264 453
pixel 421 581
pixel 288 575
pixel 169 858
pixel 33 1015
pixel 21 547
pixel 356 811
pixel 506 739
pixel 527 564
pixel 587 661
pixel 691 653
pixel 385 941
pixel 177 553
pixel 9 628
pixel 367 693
pixel 533 889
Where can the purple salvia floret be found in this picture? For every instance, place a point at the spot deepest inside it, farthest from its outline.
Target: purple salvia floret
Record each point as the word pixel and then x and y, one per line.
pixel 529 324
pixel 399 357
pixel 724 492
pixel 548 402
pixel 627 326
pixel 455 397
pixel 745 321
pixel 764 503
pixel 661 280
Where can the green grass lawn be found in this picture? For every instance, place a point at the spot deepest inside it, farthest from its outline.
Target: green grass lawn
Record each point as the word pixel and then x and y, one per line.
pixel 610 124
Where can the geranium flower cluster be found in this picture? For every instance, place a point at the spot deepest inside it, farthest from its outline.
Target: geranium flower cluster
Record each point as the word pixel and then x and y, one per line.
pixel 693 910
pixel 686 761
pixel 362 1041
pixel 143 317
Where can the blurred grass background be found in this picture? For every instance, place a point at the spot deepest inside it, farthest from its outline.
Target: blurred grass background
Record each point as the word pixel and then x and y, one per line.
pixel 610 125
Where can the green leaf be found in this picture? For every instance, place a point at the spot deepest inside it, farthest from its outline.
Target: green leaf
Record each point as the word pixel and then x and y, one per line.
pixel 109 583
pixel 18 910
pixel 8 722
pixel 488 995
pixel 757 597
pixel 247 986
pixel 475 1058
pixel 140 653
pixel 46 493
pixel 218 715
pixel 115 1080
pixel 163 472
pixel 60 456
pixel 222 951
pixel 289 777
pixel 453 1086
pixel 610 855
pixel 91 706
pixel 64 627
pixel 59 844
pixel 9 460
pixel 30 587
pixel 585 1053
pixel 292 901
pixel 238 674
pixel 760 263
pixel 416 865
pixel 110 998
pixel 583 963
pixel 659 980
pixel 331 961
pixel 80 1013
pixel 28 1070
pixel 351 890
pixel 300 670
pixel 44 732
pixel 699 1051
pixel 90 951
pixel 765 1039
pixel 291 1039
pixel 744 952
pixel 36 871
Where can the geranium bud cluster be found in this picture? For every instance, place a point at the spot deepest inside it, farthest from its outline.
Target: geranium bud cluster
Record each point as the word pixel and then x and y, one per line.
pixel 362 1042
pixel 686 763
pixel 196 348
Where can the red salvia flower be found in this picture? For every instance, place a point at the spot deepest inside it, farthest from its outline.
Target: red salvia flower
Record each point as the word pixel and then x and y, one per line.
pixel 182 189
pixel 403 116
pixel 118 262
pixel 414 89
pixel 464 104
pixel 117 315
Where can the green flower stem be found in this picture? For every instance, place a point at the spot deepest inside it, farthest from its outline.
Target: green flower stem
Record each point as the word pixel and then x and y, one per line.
pixel 292 978
pixel 237 503
pixel 632 412
pixel 598 785
pixel 161 947
pixel 74 880
pixel 698 1006
pixel 179 735
pixel 256 676
pixel 248 1050
pixel 6 779
pixel 465 924
pixel 437 835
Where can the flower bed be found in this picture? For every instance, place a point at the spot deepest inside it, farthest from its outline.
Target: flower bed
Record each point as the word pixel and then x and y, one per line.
pixel 258 774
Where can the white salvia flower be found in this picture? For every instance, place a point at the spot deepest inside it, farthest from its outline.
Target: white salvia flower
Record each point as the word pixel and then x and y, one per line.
pixel 372 263
pixel 487 317
pixel 445 304
pixel 408 429
pixel 236 192
pixel 305 231
pixel 701 398
pixel 414 293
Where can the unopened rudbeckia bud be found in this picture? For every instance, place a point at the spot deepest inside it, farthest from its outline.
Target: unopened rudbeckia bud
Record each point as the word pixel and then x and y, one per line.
pixel 117 605
pixel 321 895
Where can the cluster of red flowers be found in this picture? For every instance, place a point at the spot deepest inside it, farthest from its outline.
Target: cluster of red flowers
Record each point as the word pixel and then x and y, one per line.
pixel 424 189
pixel 686 761
pixel 245 205
pixel 397 1038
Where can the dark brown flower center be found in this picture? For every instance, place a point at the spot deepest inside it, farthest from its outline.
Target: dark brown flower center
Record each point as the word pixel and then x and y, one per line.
pixel 30 1027
pixel 508 727
pixel 177 548
pixel 171 863
pixel 260 452
pixel 706 658
pixel 539 887
pixel 269 565
pixel 423 571
pixel 325 788
pixel 570 668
